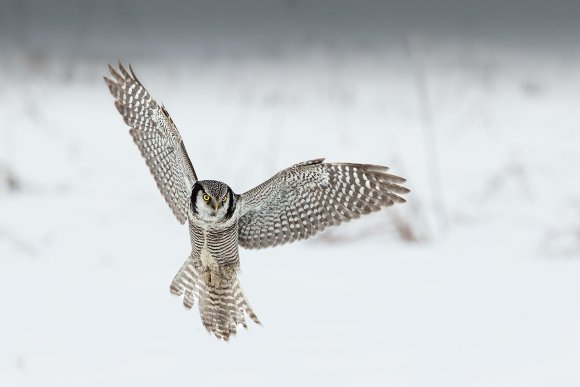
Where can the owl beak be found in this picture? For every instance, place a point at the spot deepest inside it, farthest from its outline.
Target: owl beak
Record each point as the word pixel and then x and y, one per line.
pixel 216 206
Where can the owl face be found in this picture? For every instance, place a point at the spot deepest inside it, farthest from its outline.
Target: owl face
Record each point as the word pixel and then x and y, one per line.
pixel 212 201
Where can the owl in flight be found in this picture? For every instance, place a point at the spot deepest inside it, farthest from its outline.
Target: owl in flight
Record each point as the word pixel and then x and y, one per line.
pixel 294 204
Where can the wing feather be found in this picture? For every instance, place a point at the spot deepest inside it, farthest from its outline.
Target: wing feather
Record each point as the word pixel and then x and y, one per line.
pixel 308 197
pixel 156 137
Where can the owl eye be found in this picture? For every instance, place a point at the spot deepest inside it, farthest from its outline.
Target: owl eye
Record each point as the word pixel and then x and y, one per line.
pixel 206 197
pixel 224 199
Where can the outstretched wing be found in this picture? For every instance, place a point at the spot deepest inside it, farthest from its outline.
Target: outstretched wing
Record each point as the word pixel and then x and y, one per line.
pixel 157 138
pixel 306 198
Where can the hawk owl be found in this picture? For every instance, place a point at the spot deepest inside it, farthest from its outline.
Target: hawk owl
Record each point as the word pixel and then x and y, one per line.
pixel 294 204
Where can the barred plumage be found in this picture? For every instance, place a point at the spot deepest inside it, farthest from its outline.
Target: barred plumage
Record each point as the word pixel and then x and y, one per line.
pixel 157 138
pixel 294 204
pixel 221 305
pixel 308 197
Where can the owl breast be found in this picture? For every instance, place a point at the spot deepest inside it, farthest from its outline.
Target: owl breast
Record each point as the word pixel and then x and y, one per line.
pixel 207 259
pixel 215 246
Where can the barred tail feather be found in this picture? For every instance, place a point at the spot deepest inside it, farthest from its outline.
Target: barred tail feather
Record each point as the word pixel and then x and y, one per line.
pixel 222 305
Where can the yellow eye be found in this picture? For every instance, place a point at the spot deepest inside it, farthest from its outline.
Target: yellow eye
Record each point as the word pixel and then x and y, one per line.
pixel 206 197
pixel 224 199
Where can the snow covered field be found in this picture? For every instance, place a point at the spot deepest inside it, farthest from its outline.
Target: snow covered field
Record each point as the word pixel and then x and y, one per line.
pixel 474 282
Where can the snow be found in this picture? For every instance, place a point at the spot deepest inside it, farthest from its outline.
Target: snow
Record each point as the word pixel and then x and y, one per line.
pixel 486 294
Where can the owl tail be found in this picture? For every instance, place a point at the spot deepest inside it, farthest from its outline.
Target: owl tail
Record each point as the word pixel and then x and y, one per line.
pixel 222 304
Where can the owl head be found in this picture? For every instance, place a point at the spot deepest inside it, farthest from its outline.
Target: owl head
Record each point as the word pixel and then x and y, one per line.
pixel 212 201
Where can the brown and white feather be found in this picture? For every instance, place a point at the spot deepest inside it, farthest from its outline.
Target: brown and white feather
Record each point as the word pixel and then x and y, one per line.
pixel 156 137
pixel 308 197
pixel 210 276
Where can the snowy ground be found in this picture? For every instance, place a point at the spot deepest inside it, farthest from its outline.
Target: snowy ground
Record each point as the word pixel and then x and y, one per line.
pixel 486 292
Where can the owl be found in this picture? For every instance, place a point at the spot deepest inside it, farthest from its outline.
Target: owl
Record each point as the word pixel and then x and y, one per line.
pixel 294 204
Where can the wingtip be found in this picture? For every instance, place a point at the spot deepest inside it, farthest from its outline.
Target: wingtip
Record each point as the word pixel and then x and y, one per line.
pixel 132 71
pixel 112 71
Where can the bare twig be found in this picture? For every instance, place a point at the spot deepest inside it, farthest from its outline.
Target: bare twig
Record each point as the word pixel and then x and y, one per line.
pixel 9 179
pixel 425 113
pixel 17 242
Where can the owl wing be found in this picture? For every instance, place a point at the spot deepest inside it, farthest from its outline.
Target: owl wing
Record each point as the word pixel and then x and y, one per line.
pixel 157 137
pixel 308 197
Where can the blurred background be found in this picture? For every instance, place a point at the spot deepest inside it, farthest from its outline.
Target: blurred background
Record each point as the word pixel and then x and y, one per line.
pixel 474 281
